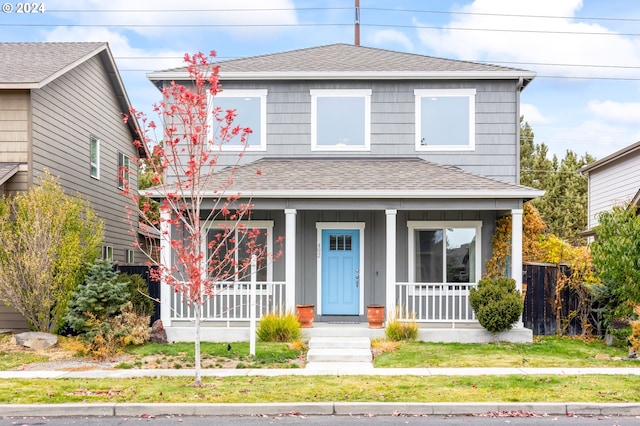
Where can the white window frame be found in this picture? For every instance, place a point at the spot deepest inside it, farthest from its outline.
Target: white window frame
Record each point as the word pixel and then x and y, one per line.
pixel 443 225
pixel 129 256
pixel 124 170
pixel 243 93
pixel 260 224
pixel 95 165
pixel 107 253
pixel 470 94
pixel 338 93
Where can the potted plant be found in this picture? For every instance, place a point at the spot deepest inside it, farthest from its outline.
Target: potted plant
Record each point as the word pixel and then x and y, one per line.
pixel 305 315
pixel 375 315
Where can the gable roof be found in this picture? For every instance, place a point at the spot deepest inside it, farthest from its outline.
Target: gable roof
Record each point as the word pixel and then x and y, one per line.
pixel 611 158
pixel 34 65
pixel 348 61
pixel 353 178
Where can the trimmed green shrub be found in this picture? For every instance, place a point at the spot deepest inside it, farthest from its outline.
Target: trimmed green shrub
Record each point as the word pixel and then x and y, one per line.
pixel 276 327
pixel 497 303
pixel 138 290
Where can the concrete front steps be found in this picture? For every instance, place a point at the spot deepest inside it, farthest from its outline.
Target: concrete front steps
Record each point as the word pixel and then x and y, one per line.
pixel 350 352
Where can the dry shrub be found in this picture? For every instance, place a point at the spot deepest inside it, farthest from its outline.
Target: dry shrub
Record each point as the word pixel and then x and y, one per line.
pixel 381 345
pixel 400 326
pixel 298 345
pixel 279 327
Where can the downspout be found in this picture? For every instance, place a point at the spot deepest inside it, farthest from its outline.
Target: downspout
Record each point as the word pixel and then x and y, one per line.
pixel 519 87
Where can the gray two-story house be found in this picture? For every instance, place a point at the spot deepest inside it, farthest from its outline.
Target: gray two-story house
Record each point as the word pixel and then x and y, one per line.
pixel 61 110
pixel 385 173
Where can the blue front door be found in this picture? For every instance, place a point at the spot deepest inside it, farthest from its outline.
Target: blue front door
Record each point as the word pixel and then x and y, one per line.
pixel 340 272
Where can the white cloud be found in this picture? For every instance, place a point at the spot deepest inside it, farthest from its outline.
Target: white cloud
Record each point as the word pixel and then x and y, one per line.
pixel 623 112
pixel 159 18
pixel 532 115
pixel 534 39
pixel 391 37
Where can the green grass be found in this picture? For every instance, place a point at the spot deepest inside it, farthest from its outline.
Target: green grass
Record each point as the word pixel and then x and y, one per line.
pixel 10 360
pixel 587 388
pixel 547 351
pixel 268 354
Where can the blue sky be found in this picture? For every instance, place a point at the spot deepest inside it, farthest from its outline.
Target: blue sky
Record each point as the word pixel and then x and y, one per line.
pixel 586 53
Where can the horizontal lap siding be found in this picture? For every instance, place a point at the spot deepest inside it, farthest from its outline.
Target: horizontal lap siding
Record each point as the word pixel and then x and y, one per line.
pixel 66 113
pixel 614 184
pixel 14 126
pixel 393 123
pixel 11 319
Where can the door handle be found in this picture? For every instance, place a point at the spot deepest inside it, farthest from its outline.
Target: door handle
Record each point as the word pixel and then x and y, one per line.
pixel 357 280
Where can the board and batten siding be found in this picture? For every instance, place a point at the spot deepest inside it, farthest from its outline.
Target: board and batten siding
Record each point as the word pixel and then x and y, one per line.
pixel 392 123
pixel 14 136
pixel 613 184
pixel 66 113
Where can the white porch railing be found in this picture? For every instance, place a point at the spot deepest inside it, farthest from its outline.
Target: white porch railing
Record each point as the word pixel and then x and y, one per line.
pixel 231 302
pixel 434 302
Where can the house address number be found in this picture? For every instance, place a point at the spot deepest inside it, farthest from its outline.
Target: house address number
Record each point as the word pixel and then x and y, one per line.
pixel 23 7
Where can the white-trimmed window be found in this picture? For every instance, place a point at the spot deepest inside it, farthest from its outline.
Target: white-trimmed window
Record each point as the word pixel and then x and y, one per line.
pixel 444 252
pixel 445 119
pixel 251 109
pixel 340 120
pixel 129 256
pixel 107 253
pixel 263 239
pixel 124 169
pixel 94 157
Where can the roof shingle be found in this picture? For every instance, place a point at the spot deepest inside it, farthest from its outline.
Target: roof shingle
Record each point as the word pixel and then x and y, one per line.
pixel 32 63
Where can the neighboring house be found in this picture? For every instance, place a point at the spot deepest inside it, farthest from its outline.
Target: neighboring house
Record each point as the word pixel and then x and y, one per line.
pixel 613 181
pixel 385 172
pixel 61 108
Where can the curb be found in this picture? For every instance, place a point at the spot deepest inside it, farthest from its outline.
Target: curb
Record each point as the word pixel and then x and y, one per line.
pixel 316 409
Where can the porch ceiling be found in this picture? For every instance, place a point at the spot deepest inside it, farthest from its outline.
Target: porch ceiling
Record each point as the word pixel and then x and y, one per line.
pixel 364 178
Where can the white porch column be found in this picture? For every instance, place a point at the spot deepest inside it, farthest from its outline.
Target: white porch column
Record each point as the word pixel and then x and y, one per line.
pixel 516 251
pixel 391 260
pixel 165 259
pixel 290 259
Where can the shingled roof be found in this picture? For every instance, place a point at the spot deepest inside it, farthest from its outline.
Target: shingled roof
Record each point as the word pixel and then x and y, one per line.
pixel 365 178
pixel 32 65
pixel 350 61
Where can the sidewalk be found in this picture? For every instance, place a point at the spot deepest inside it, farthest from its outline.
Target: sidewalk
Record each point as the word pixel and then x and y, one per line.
pixel 329 369
pixel 323 408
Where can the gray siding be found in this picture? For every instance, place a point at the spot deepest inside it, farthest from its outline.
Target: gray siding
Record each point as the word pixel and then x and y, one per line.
pixel 12 319
pixel 392 123
pixel 374 275
pixel 613 184
pixel 65 114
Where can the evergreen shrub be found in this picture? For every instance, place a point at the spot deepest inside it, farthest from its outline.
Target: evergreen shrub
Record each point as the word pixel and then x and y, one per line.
pixel 497 303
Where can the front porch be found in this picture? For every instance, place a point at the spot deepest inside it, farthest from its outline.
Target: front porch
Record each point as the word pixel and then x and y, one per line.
pixel 442 313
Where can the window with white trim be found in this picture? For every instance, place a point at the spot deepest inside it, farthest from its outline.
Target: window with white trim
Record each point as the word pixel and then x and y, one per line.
pixel 124 168
pixel 444 252
pixel 340 120
pixel 129 256
pixel 445 119
pixel 107 253
pixel 220 241
pixel 94 157
pixel 250 107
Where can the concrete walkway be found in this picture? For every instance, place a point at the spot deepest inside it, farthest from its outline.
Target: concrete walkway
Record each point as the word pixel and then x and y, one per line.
pixel 319 369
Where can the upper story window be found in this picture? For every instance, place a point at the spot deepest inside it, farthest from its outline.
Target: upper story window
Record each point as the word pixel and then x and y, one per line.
pixel 94 157
pixel 251 109
pixel 341 120
pixel 445 119
pixel 124 164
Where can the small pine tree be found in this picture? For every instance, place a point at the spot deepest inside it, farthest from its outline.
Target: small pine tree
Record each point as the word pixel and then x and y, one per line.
pixel 100 297
pixel 497 303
